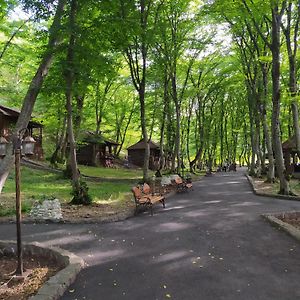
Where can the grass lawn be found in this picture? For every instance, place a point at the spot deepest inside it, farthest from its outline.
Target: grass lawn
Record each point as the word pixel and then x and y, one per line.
pixel 111 172
pixel 40 185
pixel 37 184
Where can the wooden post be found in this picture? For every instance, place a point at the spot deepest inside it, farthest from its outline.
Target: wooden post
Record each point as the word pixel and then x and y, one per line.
pixel 19 270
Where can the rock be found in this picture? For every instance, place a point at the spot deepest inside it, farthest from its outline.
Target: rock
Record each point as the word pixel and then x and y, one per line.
pixel 48 210
pixel 166 180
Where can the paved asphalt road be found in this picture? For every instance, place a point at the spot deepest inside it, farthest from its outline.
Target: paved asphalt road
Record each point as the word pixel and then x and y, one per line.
pixel 208 244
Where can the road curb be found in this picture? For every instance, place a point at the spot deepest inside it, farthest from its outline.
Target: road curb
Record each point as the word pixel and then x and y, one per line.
pixel 282 197
pixel 291 230
pixel 56 286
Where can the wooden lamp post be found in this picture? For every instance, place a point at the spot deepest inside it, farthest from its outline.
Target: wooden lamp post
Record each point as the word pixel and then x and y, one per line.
pixel 23 146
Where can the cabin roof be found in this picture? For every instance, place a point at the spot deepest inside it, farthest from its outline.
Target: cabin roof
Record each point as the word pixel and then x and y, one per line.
pixel 94 138
pixel 14 114
pixel 141 145
pixel 289 144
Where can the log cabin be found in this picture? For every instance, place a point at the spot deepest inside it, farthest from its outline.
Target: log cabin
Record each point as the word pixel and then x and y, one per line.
pixel 95 150
pixel 136 154
pixel 8 120
pixel 291 159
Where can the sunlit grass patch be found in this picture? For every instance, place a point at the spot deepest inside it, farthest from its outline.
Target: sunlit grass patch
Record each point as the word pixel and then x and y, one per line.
pixel 102 172
pixel 41 185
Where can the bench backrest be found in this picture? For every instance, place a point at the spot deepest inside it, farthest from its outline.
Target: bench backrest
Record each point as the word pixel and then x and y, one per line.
pixel 178 180
pixel 136 192
pixel 146 188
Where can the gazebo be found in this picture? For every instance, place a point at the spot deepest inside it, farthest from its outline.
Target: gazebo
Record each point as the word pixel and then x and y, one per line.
pixel 291 159
pixel 8 119
pixel 95 150
pixel 136 154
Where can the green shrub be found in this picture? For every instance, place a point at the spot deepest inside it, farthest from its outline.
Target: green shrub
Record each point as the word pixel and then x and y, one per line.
pixel 80 194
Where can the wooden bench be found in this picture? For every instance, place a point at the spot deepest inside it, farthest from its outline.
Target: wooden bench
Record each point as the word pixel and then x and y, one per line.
pixel 182 185
pixel 144 197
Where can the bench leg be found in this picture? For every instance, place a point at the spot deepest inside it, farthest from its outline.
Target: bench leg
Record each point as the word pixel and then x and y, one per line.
pixel 163 203
pixel 151 209
pixel 136 209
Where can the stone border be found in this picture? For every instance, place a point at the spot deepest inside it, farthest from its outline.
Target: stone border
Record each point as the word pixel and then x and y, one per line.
pixel 117 217
pixel 282 197
pixel 56 286
pixel 291 230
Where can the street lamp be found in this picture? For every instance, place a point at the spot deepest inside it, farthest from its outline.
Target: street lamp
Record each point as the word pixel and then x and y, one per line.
pixel 26 147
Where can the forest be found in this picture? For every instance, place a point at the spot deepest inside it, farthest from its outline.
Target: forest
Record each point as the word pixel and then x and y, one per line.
pixel 211 81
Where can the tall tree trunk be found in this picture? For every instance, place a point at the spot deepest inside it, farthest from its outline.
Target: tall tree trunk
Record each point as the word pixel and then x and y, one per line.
pixel 123 136
pixel 136 56
pixel 163 122
pixel 190 112
pixel 34 88
pixel 78 116
pixel 271 173
pixel 201 119
pixel 257 144
pixel 69 77
pixel 80 189
pixel 268 140
pixel 253 139
pixel 292 48
pixel 55 156
pixel 145 134
pixel 176 155
pixel 277 145
pixel 295 112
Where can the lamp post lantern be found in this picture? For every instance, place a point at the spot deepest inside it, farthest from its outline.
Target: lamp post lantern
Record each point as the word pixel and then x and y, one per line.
pixel 23 146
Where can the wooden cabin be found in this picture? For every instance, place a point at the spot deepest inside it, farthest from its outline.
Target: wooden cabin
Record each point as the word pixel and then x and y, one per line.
pixel 136 154
pixel 95 150
pixel 291 159
pixel 8 120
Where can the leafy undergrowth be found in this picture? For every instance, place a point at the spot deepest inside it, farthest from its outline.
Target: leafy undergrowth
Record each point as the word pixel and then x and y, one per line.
pixel 272 188
pixel 292 218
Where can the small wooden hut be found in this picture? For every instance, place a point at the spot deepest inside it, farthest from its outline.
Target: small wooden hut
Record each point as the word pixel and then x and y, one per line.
pixel 291 159
pixel 95 150
pixel 136 154
pixel 8 119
